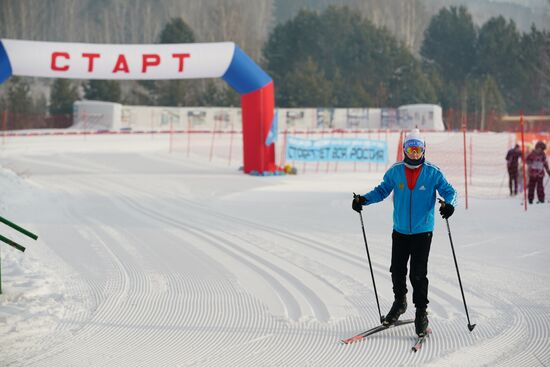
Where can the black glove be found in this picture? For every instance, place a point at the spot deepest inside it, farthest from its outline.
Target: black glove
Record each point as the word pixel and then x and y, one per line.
pixel 446 210
pixel 357 203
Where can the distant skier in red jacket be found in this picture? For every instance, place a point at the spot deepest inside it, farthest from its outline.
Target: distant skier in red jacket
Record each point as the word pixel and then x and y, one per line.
pixel 537 163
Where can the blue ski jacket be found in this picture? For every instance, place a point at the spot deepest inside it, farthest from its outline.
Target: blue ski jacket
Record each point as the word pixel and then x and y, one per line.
pixel 413 210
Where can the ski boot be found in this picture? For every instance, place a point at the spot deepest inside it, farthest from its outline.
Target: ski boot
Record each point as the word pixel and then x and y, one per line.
pixel 397 309
pixel 421 321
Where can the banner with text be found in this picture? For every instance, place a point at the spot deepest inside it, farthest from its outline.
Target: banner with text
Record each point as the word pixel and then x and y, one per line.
pixel 332 149
pixel 113 61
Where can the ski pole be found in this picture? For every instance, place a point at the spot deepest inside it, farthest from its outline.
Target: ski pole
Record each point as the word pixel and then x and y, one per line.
pixel 12 243
pixel 470 326
pixel 370 265
pixel 18 228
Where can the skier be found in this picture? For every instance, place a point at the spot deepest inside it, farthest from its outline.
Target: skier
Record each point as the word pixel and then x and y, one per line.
pixel 414 182
pixel 537 163
pixel 512 158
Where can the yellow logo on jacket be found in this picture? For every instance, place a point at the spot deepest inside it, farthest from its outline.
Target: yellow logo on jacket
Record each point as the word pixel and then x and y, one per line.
pixel 401 186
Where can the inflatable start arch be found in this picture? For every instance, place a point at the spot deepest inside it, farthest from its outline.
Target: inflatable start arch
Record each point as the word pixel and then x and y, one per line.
pixel 160 61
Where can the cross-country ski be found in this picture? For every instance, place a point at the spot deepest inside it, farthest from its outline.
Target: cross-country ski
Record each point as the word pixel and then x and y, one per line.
pixel 374 330
pixel 420 340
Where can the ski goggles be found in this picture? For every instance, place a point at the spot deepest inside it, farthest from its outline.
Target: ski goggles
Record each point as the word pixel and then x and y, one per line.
pixel 410 150
pixel 414 146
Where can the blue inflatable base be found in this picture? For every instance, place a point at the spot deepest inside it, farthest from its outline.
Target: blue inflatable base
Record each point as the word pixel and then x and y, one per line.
pixel 267 173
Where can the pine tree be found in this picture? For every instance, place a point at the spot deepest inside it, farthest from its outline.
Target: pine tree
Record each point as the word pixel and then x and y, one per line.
pixel 306 86
pixel 62 96
pixel 449 43
pixel 19 98
pixel 175 92
pixel 19 103
pixel 176 31
pixel 102 90
pixel 356 63
pixel 499 55
pixel 535 59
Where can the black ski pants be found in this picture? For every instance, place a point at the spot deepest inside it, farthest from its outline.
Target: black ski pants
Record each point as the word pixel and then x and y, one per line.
pixel 535 182
pixel 417 247
pixel 513 180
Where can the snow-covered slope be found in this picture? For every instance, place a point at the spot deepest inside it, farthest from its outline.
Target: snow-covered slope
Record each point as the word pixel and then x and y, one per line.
pixel 146 258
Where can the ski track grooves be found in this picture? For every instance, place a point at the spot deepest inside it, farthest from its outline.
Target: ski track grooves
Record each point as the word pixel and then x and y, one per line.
pixel 112 336
pixel 348 258
pixel 324 248
pixel 174 311
pixel 406 340
pixel 107 339
pixel 292 306
pixel 241 254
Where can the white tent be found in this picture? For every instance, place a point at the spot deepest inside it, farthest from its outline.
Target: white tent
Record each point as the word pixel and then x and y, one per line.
pixel 96 115
pixel 422 116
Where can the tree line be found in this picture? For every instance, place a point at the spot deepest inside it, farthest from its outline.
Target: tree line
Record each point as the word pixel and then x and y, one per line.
pixel 337 58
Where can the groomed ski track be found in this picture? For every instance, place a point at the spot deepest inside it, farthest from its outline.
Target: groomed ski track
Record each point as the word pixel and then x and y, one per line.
pixel 172 261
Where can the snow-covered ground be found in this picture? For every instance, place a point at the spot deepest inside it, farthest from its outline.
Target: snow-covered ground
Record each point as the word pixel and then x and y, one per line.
pixel 146 258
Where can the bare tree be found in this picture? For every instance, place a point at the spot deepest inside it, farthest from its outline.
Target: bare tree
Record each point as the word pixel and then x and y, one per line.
pixel 245 22
pixel 118 21
pixel 406 19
